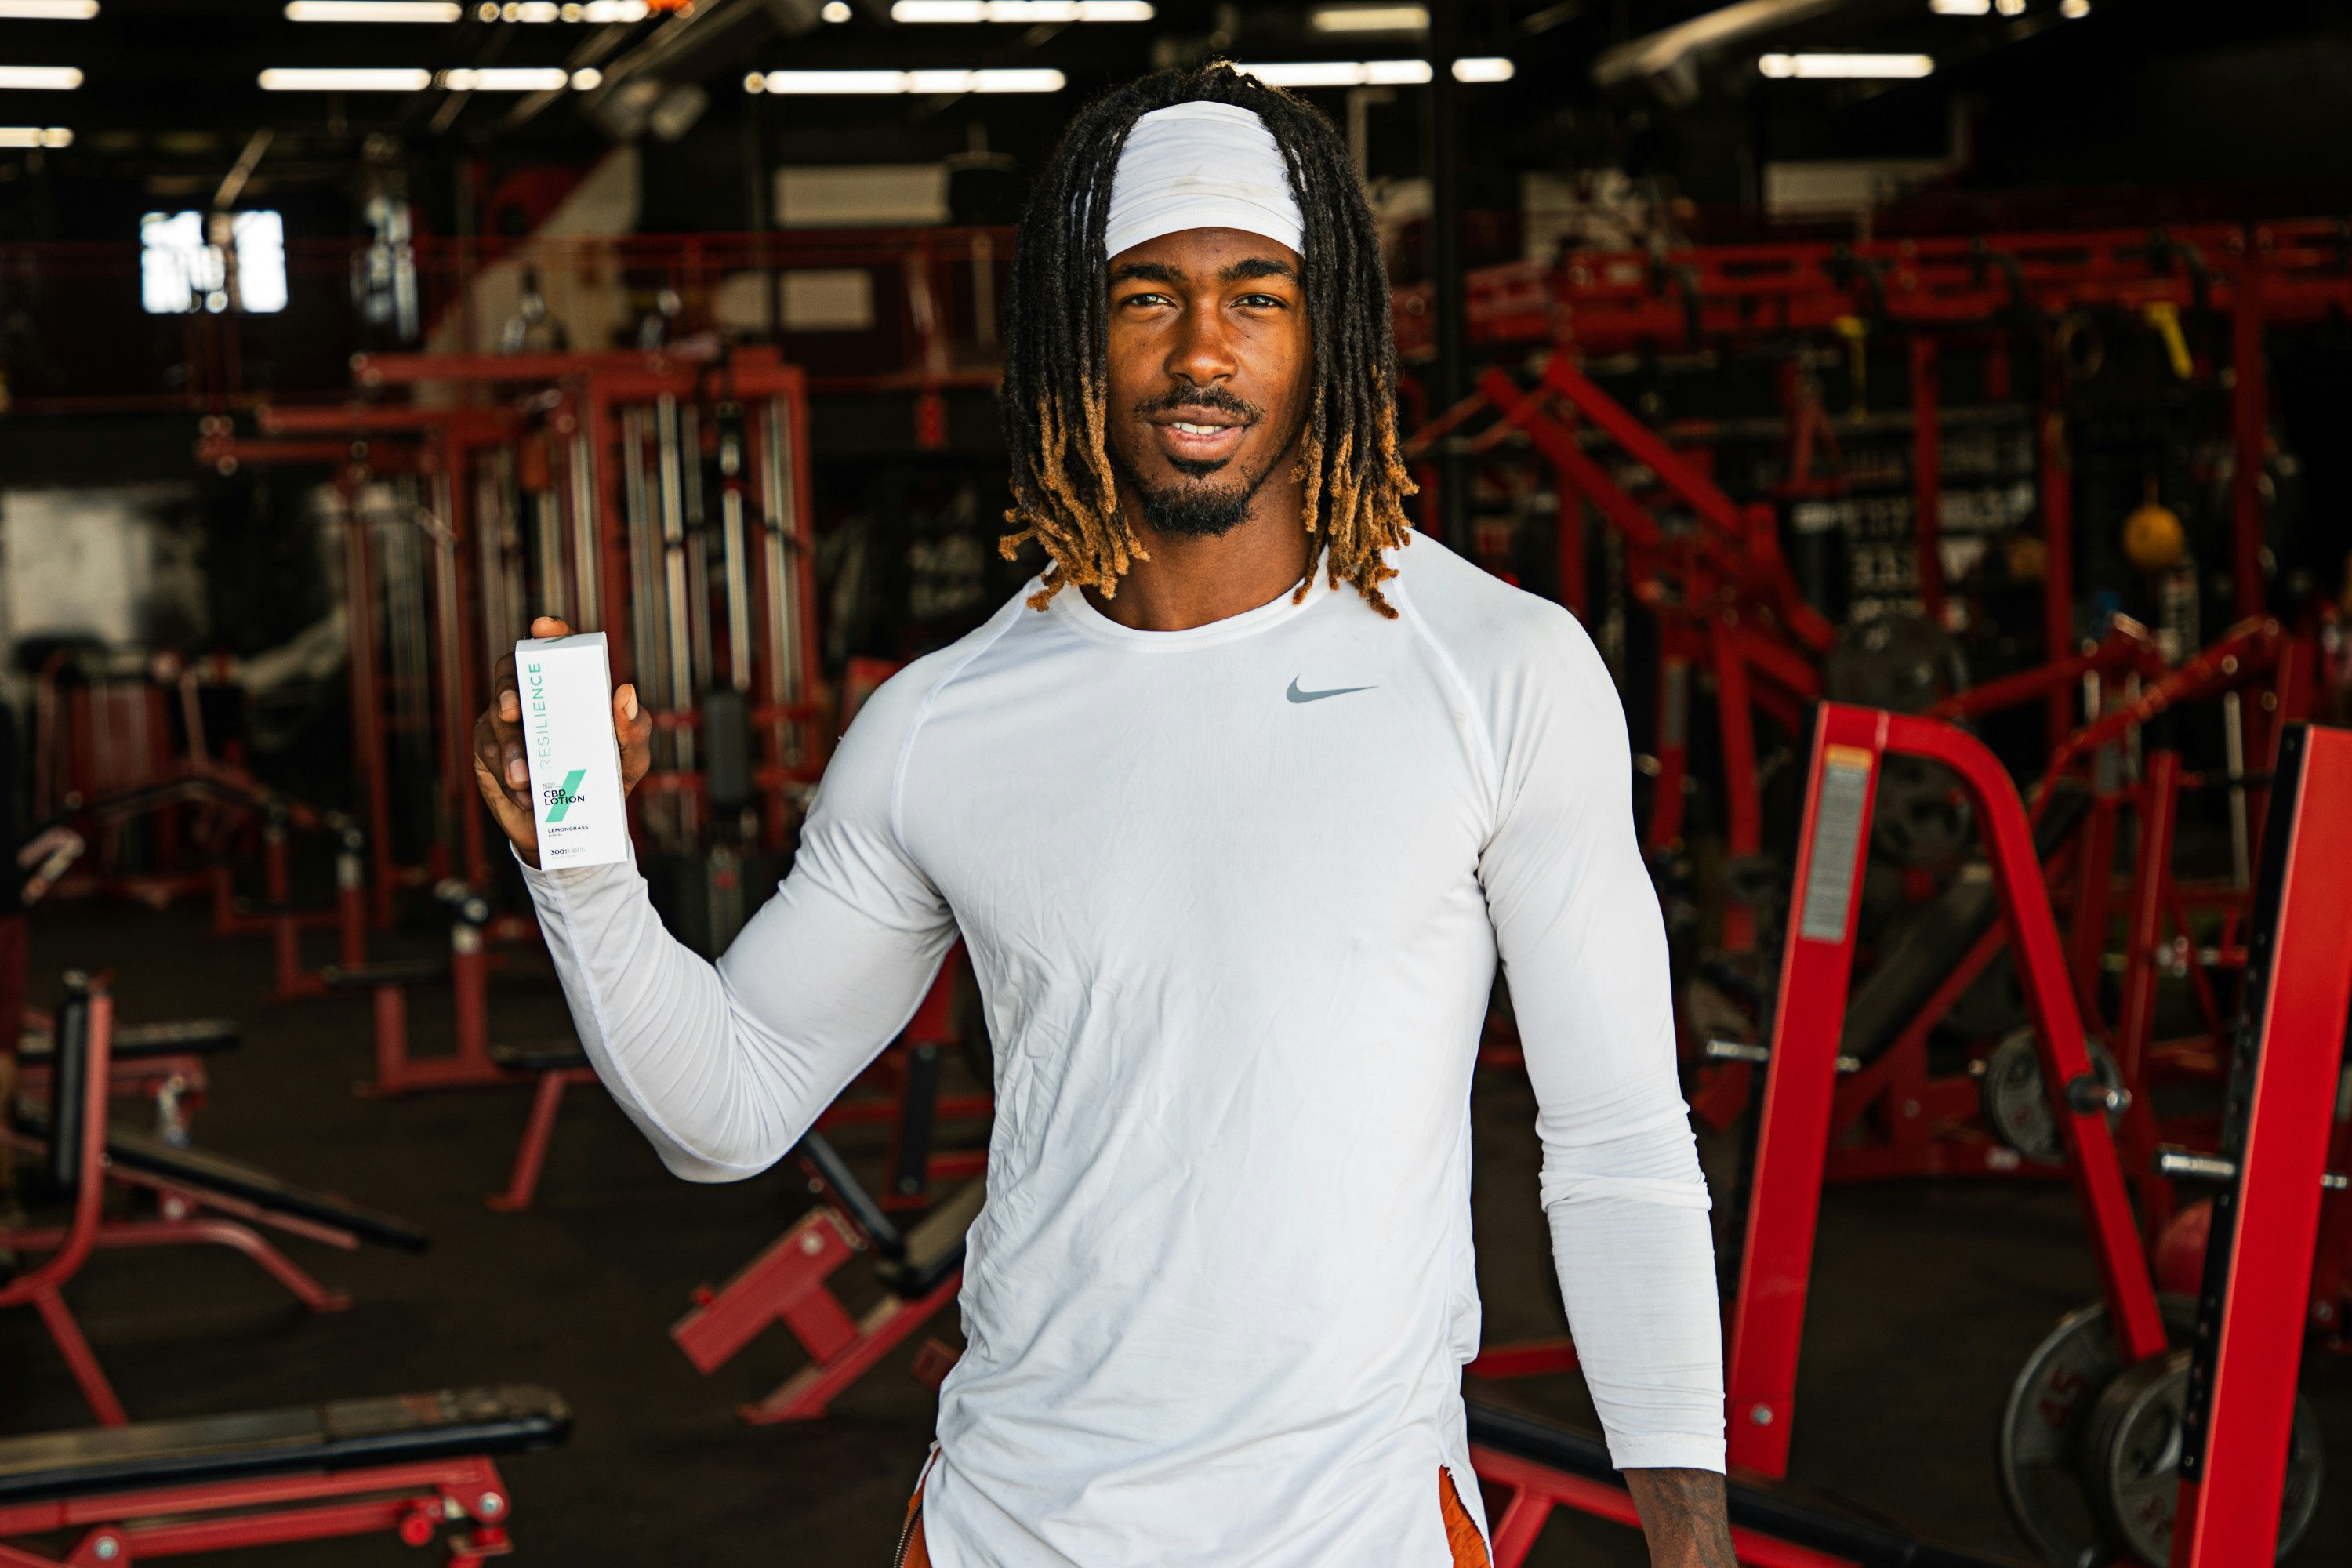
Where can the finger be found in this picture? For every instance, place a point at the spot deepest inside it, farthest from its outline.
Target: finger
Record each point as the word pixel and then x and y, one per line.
pixel 505 703
pixel 497 755
pixel 634 728
pixel 513 816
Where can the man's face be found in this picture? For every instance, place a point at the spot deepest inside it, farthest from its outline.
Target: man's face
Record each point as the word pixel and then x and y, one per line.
pixel 1211 365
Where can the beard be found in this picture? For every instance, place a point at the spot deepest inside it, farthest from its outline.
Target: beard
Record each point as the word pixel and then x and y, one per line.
pixel 1193 507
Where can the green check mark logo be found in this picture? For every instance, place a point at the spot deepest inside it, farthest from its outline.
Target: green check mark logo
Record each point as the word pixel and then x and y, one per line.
pixel 564 797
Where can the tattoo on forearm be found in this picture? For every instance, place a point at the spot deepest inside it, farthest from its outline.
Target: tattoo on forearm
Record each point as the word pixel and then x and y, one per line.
pixel 1684 1516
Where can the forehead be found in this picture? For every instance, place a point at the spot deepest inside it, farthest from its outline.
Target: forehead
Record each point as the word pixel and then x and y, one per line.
pixel 1206 252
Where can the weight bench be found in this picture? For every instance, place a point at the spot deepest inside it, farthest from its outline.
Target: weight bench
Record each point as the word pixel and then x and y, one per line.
pixel 82 1153
pixel 404 1465
pixel 1543 1465
pixel 163 1062
pixel 558 1064
pixel 920 1270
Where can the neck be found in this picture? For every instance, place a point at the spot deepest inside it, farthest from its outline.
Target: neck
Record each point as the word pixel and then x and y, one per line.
pixel 1190 580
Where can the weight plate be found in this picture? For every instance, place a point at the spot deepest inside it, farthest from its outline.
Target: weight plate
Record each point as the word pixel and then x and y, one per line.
pixel 2037 1454
pixel 2016 1108
pixel 1921 816
pixel 2131 1460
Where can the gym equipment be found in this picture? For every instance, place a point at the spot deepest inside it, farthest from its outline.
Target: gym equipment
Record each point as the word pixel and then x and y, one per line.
pixel 2206 1455
pixel 160 1062
pixel 901 1090
pixel 920 1270
pixel 476 1062
pixel 1976 289
pixel 1541 1465
pixel 81 1155
pixel 405 1466
pixel 1795 1124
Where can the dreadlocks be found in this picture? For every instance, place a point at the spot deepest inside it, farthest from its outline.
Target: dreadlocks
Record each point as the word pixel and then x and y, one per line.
pixel 1055 368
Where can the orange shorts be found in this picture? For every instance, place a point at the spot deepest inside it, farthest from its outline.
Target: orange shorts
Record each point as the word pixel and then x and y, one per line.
pixel 1461 1534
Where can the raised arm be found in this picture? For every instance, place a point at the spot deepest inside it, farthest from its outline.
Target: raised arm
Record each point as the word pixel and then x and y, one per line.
pixel 1583 947
pixel 725 1067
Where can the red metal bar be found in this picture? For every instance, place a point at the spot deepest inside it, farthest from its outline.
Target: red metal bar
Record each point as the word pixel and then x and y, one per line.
pixel 39 1287
pixel 1535 1490
pixel 522 1184
pixel 1801 1078
pixel 2228 1512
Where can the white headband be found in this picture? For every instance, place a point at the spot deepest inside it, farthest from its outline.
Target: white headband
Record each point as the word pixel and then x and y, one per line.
pixel 1201 165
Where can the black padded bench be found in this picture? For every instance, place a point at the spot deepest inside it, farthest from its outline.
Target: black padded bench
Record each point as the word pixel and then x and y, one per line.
pixel 256 1188
pixel 1543 1465
pixel 405 1465
pixel 183 1036
pixel 246 1187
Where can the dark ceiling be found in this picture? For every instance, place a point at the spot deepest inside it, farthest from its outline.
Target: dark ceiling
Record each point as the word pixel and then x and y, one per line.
pixel 2137 91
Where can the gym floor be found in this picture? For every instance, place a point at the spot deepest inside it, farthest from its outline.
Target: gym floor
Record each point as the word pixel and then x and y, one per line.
pixel 1926 1298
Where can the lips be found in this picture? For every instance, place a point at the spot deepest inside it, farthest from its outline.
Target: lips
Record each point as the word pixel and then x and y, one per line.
pixel 1204 438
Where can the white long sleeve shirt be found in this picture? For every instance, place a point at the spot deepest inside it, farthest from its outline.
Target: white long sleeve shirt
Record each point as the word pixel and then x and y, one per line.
pixel 1235 898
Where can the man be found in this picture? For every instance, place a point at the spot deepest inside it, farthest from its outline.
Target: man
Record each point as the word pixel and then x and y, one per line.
pixel 1235 812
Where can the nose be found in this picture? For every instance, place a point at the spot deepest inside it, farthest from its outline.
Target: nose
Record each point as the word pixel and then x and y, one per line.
pixel 1202 351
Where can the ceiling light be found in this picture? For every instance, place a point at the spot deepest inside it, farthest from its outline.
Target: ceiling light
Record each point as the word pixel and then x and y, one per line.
pixel 1340 73
pixel 374 10
pixel 836 11
pixel 1369 18
pixel 360 79
pixel 922 81
pixel 507 78
pixel 2073 10
pixel 35 136
pixel 1374 73
pixel 1030 10
pixel 48 11
pixel 1847 68
pixel 1960 7
pixel 2009 7
pixel 41 78
pixel 587 79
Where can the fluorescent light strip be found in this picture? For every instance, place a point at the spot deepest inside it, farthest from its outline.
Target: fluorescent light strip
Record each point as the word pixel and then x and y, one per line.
pixel 925 81
pixel 48 10
pixel 361 78
pixel 35 136
pixel 374 10
pixel 1030 10
pixel 1369 18
pixel 1375 73
pixel 41 78
pixel 507 78
pixel 1847 68
pixel 1960 7
pixel 548 11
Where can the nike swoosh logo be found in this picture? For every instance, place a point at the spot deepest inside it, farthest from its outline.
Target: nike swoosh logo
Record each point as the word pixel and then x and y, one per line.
pixel 1297 696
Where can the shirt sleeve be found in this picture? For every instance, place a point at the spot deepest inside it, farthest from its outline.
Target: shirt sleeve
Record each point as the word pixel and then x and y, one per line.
pixel 725 1067
pixel 1583 947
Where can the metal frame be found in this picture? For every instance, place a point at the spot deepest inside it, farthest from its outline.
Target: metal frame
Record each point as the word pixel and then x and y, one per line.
pixel 2258 1259
pixel 1801 1076
pixel 411 1502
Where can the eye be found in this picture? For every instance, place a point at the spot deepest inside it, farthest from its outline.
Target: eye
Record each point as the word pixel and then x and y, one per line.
pixel 1146 298
pixel 1262 301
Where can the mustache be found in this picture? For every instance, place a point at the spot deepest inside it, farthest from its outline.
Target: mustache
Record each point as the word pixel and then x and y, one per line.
pixel 1177 398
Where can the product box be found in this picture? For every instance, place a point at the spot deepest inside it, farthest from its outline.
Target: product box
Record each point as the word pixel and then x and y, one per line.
pixel 566 685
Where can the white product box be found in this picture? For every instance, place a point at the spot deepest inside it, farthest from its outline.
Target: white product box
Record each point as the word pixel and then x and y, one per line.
pixel 566 685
